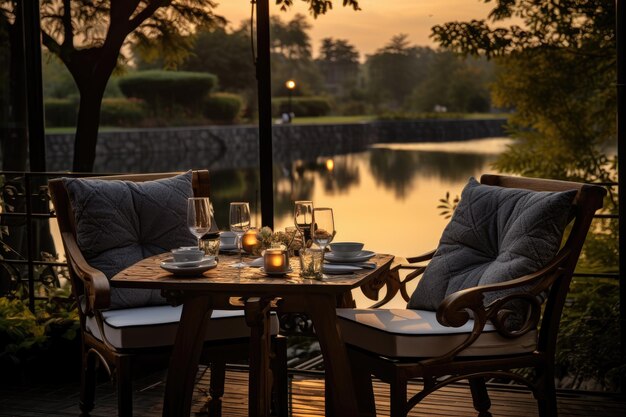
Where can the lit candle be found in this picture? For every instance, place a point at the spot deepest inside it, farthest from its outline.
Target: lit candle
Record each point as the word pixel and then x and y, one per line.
pixel 274 260
pixel 249 240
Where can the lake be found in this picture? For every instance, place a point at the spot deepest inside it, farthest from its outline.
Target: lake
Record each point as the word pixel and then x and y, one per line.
pixel 385 196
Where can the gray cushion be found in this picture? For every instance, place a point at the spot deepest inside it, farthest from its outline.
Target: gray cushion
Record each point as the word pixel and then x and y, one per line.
pixel 119 223
pixel 496 234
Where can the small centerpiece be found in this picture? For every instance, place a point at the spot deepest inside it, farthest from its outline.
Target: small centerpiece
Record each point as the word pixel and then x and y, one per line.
pixel 266 239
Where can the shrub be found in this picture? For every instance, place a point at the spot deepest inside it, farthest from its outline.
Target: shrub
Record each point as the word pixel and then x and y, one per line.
pixel 121 112
pixel 60 112
pixel 222 107
pixel 301 106
pixel 168 91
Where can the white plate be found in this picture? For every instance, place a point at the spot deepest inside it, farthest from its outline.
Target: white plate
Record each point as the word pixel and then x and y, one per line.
pixel 361 257
pixel 276 273
pixel 186 264
pixel 197 269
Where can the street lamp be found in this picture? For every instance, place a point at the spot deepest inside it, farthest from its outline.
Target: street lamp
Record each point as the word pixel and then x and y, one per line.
pixel 291 85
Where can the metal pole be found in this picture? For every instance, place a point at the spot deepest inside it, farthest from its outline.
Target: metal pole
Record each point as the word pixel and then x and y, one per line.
pixel 34 86
pixel 620 30
pixel 265 112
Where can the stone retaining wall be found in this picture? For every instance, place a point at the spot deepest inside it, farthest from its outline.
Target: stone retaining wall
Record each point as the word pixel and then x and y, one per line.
pixel 220 147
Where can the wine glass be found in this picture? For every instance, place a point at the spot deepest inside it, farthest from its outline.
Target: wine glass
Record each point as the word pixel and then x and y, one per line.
pixel 323 227
pixel 302 217
pixel 198 216
pixel 239 224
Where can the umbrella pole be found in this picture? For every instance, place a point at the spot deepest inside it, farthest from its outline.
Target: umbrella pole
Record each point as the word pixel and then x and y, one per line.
pixel 265 112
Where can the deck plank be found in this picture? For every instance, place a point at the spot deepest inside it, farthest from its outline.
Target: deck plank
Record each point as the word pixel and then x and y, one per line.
pixel 307 400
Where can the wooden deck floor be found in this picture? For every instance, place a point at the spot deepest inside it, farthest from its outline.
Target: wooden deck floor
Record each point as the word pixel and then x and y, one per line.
pixel 307 398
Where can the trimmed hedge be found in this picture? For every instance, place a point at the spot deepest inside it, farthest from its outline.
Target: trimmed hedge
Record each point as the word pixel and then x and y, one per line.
pixel 168 90
pixel 60 112
pixel 301 106
pixel 121 112
pixel 222 107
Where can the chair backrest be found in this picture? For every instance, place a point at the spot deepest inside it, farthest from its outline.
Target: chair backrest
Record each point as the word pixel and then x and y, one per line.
pixel 66 219
pixel 588 200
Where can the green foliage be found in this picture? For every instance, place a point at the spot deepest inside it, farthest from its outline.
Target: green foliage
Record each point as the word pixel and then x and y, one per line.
pixel 395 70
pixel 57 80
pixel 225 54
pixel 586 347
pixel 317 7
pixel 168 91
pixel 459 85
pixel 19 329
pixel 222 107
pixel 558 74
pixel 60 112
pixel 448 206
pixel 301 106
pixel 121 112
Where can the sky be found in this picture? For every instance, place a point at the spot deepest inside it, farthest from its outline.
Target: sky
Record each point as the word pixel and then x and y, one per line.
pixel 373 26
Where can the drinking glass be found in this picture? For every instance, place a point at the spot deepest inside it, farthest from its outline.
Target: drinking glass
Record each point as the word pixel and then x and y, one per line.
pixel 239 224
pixel 198 216
pixel 302 217
pixel 323 227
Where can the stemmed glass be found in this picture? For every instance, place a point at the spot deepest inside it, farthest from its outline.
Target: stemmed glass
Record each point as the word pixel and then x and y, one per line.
pixel 199 216
pixel 303 217
pixel 323 227
pixel 239 224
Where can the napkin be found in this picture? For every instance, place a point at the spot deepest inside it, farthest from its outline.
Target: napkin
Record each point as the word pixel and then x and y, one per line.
pixel 256 263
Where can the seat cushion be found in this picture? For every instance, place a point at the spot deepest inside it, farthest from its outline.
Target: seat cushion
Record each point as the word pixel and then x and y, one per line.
pixel 496 234
pixel 404 333
pixel 155 326
pixel 119 223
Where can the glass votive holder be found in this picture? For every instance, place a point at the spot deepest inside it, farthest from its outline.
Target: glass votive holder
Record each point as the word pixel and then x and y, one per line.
pixel 249 240
pixel 210 244
pixel 311 263
pixel 275 260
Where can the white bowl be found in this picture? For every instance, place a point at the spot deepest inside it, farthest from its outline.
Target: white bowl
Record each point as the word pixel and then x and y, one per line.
pixel 187 255
pixel 346 249
pixel 228 239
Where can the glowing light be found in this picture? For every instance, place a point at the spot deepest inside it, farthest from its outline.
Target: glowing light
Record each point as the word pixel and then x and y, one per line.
pixel 330 164
pixel 291 84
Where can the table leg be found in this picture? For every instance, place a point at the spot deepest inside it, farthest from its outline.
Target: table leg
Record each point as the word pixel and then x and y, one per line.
pixel 260 377
pixel 341 398
pixel 181 374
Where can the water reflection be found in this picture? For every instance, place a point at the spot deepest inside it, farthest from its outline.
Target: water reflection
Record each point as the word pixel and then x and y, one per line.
pixel 385 176
pixel 397 169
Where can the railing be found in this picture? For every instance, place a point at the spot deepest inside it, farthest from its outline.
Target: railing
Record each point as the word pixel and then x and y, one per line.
pixel 26 265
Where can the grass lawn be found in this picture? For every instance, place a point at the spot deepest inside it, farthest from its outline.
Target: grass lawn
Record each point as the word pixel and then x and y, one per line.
pixel 329 120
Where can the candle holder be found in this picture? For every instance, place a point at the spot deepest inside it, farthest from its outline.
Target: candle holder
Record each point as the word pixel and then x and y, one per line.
pixel 249 240
pixel 276 260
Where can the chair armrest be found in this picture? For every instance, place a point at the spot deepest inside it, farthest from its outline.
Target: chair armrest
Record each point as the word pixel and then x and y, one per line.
pixel 454 310
pixel 423 257
pixel 96 284
pixel 458 308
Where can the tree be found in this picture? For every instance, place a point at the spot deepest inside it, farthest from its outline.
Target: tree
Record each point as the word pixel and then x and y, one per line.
pixel 89 35
pixel 557 72
pixel 291 56
pixel 339 64
pixel 460 85
pixel 395 70
pixel 223 53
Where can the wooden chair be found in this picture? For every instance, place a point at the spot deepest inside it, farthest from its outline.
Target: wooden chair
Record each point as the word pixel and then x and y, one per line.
pixel 119 338
pixel 464 338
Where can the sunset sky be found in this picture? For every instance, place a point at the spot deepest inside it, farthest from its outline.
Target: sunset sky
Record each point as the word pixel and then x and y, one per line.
pixel 373 26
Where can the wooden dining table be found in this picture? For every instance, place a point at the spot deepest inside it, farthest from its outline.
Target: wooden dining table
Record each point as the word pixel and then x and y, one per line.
pixel 225 287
